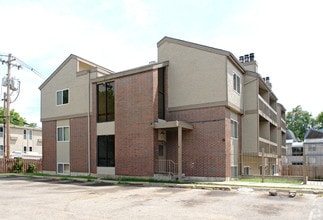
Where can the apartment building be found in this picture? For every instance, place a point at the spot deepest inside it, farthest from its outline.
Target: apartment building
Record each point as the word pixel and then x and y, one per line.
pixel 25 142
pixel 189 115
pixel 313 148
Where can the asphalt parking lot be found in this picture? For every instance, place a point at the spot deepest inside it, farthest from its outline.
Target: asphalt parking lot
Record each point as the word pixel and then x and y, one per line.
pixel 23 198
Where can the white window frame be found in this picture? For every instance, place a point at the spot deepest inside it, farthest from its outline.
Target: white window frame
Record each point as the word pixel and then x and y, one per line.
pixel 61 98
pixel 30 134
pixel 234 129
pixel 236 82
pixel 63 168
pixel 65 136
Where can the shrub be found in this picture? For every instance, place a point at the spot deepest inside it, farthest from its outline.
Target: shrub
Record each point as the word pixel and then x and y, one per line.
pixel 18 165
pixel 31 168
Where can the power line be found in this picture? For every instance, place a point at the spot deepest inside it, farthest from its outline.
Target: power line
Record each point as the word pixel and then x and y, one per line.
pixel 22 64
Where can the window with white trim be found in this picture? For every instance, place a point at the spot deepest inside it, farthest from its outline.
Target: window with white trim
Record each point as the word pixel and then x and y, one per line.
pixel 236 82
pixel 62 97
pixel 63 133
pixel 234 129
pixel 63 168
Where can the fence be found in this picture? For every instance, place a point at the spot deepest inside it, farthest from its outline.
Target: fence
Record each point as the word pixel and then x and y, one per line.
pixel 7 165
pixel 264 164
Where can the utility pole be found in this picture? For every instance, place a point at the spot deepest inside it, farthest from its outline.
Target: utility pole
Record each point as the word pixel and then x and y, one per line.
pixel 7 109
pixel 13 85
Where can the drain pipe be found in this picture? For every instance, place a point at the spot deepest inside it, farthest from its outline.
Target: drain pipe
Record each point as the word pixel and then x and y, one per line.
pixel 89 127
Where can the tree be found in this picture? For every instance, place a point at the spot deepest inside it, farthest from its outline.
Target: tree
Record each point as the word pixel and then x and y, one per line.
pixel 15 118
pixel 299 121
pixel 319 121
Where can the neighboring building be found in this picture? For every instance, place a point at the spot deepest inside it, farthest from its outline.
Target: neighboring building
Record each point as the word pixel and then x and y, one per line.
pixel 294 152
pixel 25 142
pixel 313 147
pixel 190 114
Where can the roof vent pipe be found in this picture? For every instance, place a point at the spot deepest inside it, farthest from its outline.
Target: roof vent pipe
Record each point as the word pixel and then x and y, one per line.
pixel 246 58
pixel 252 57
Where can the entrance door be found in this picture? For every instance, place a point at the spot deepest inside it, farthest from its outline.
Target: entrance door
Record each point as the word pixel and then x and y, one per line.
pixel 162 157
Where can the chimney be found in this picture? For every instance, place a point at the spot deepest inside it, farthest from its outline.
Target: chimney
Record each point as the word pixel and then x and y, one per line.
pixel 267 81
pixel 249 62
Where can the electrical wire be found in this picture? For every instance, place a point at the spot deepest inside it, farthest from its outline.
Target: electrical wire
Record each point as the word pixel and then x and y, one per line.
pixel 30 68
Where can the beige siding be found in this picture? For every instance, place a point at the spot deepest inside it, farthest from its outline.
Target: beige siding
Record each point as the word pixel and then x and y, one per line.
pixel 235 99
pixel 105 128
pixel 195 76
pixel 63 148
pixel 251 91
pixel 78 86
pixel 250 133
pixel 17 140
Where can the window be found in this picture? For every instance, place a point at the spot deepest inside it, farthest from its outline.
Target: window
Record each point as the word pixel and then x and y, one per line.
pixel 1 131
pixel 30 134
pixel 30 149
pixel 25 134
pixel 297 151
pixel 161 150
pixel 234 129
pixel 246 170
pixel 1 150
pixel 161 93
pixel 63 134
pixel 62 97
pixel 105 102
pixel 63 168
pixel 312 147
pixel 297 163
pixel 236 82
pixel 106 157
pixel 25 149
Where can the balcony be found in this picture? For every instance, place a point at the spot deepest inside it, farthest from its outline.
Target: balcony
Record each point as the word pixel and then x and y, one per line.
pixel 266 111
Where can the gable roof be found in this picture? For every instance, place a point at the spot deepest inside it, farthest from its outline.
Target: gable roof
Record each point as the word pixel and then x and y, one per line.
pixel 314 134
pixel 228 54
pixel 70 57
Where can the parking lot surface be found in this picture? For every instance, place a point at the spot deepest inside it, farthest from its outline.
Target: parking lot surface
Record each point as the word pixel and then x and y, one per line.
pixel 23 198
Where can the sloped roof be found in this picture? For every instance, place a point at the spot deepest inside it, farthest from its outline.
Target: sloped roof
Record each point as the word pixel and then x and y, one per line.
pixel 70 57
pixel 314 134
pixel 290 135
pixel 202 47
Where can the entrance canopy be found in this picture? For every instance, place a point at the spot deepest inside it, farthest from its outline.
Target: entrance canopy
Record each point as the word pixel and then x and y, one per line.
pixel 180 126
pixel 172 124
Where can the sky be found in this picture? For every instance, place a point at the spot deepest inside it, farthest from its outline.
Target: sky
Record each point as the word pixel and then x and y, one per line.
pixel 285 36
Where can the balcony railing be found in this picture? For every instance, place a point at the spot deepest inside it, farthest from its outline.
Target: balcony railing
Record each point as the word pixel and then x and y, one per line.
pixel 266 110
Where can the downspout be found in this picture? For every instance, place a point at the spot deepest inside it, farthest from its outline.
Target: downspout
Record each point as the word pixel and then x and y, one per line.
pixel 89 128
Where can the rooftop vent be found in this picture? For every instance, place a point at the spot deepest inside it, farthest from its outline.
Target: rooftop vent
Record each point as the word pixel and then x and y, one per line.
pixel 247 58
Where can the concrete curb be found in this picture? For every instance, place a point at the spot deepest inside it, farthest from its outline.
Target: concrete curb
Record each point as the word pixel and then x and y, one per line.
pixel 223 186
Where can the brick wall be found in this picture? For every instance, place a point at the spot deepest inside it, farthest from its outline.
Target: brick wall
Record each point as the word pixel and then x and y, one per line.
pixel 135 108
pixel 206 148
pixel 49 145
pixel 79 144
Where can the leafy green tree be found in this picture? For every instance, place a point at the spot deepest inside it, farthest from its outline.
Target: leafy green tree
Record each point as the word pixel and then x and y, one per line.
pixel 299 121
pixel 15 117
pixel 319 121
